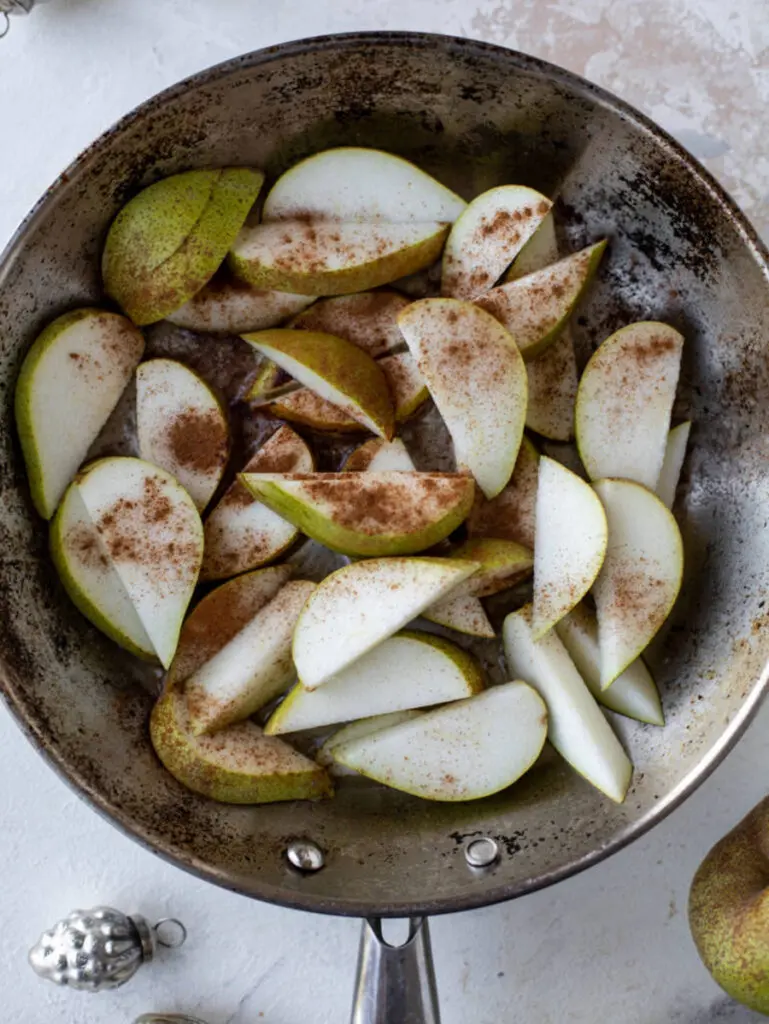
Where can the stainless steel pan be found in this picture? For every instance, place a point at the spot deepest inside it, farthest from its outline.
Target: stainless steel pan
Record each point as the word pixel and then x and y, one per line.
pixel 476 116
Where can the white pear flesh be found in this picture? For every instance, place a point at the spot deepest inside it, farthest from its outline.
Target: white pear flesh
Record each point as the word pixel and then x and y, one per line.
pixel 181 426
pixel 577 727
pixel 477 378
pixel 464 614
pixel 672 464
pixel 539 251
pixel 252 669
pixel 367 319
pixel 241 533
pixel 229 306
pixel 633 693
pixel 572 534
pixel 360 605
pixel 553 382
pixel 355 730
pixel 625 400
pixel 82 361
pixel 153 536
pixel 487 237
pixel 641 574
pixel 465 751
pixel 407 671
pixel 354 184
pixel 378 456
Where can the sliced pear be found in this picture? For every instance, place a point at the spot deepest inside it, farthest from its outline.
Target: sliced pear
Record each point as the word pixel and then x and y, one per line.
pixel 360 605
pixel 539 251
pixel 410 670
pixel 181 426
pixel 242 533
pixel 641 575
pixel 463 614
pixel 477 378
pixel 406 384
pixel 378 456
pixel 675 453
pixel 220 615
pixel 633 693
pixel 511 515
pixel 553 382
pixel 228 306
pixel 465 751
pixel 390 513
pixel 368 319
pixel 83 360
pixel 239 765
pixel 487 237
pixel 252 669
pixel 360 185
pixel 329 258
pixel 336 370
pixel 572 535
pixel 168 241
pixel 503 563
pixel 354 731
pixel 624 403
pixel 577 727
pixel 266 379
pixel 149 530
pixel 535 308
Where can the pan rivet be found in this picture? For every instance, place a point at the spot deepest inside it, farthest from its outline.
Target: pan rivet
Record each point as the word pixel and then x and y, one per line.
pixel 482 853
pixel 305 855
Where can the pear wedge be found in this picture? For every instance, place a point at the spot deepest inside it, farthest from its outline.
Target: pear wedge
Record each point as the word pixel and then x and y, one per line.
pixel 228 306
pixel 242 533
pixel 356 730
pixel 553 382
pixel 463 614
pixel 181 426
pixel 169 240
pixel 487 237
pixel 377 456
pixel 267 379
pixel 360 605
pixel 633 693
pixel 410 670
pixel 467 750
pixel 577 727
pixel 336 370
pixel 535 308
pixel 539 251
pixel 624 403
pixel 407 387
pixel 252 668
pixel 239 765
pixel 641 575
pixel 367 319
pixel 83 360
pixel 675 453
pixel 511 515
pixel 477 378
pixel 368 514
pixel 572 535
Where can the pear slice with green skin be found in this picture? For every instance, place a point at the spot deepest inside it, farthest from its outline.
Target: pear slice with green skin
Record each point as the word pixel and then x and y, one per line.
pixel 169 240
pixel 335 369
pixel 624 402
pixel 252 669
pixel 406 384
pixel 572 536
pixel 357 184
pixel 577 727
pixel 367 319
pixel 487 237
pixel 641 574
pixel 360 605
pixel 633 693
pixel 464 614
pixel 243 534
pixel 228 306
pixel 464 751
pixel 672 464
pixel 409 670
pixel 355 730
pixel 503 563
pixel 220 616
pixel 378 456
pixel 540 251
pixel 86 357
pixel 151 533
pixel 477 378
pixel 239 765
pixel 535 308
pixel 267 379
pixel 553 383
pixel 181 426
pixel 368 514
pixel 511 515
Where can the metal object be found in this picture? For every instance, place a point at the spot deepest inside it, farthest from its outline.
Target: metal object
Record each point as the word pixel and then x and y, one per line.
pixel 482 853
pixel 8 7
pixel 100 949
pixel 305 855
pixel 167 1018
pixel 396 984
pixel 476 116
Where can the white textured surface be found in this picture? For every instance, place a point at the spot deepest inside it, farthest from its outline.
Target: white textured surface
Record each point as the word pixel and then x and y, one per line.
pixel 611 944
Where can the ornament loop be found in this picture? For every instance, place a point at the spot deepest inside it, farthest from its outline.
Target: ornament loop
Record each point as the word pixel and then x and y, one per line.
pixel 4 25
pixel 170 932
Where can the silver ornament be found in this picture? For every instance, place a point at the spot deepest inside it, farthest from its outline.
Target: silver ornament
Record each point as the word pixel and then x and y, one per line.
pixel 14 7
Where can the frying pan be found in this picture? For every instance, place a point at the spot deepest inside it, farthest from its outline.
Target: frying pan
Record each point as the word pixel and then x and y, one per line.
pixel 680 251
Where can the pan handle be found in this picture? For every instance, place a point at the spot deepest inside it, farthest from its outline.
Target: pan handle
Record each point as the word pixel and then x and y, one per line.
pixel 395 984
